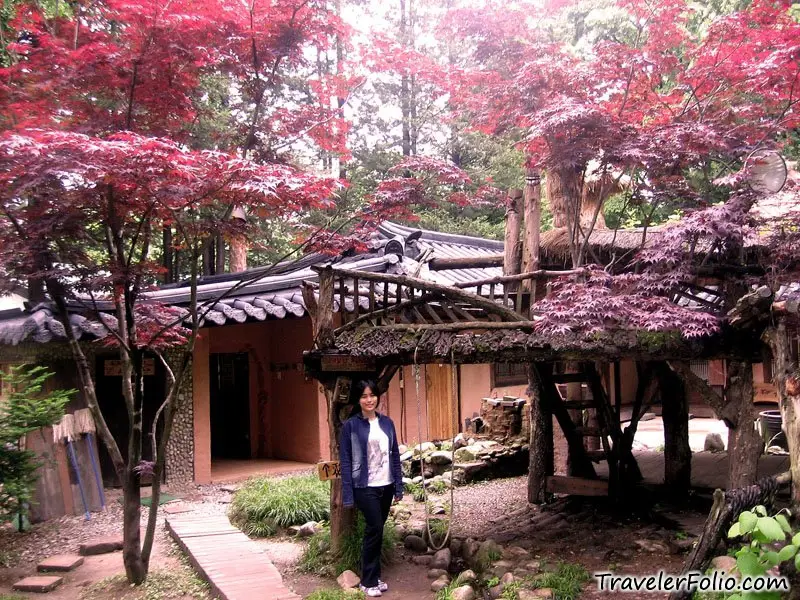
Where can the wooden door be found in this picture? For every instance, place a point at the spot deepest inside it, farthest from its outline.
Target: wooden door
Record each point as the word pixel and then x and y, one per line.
pixel 443 416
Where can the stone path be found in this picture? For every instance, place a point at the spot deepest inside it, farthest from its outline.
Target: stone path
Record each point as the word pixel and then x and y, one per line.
pixel 232 563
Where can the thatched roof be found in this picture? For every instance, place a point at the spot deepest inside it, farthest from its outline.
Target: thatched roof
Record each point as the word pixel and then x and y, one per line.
pixel 390 346
pixel 604 243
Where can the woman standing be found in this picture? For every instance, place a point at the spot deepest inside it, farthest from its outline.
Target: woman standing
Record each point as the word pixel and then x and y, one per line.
pixel 371 477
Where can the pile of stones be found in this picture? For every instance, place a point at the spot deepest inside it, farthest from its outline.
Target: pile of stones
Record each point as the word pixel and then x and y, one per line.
pixel 463 460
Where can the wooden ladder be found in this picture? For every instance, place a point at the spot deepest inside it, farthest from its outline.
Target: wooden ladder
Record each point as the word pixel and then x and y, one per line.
pixel 608 429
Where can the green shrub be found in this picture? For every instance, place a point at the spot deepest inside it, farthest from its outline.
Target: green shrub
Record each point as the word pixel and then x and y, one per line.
pixel 335 594
pixel 25 410
pixel 416 491
pixel 438 487
pixel 263 505
pixel 317 557
pixel 566 581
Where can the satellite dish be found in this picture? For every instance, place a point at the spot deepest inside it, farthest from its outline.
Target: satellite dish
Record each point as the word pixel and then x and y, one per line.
pixel 766 171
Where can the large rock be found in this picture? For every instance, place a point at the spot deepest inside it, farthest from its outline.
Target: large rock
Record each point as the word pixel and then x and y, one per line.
pixel 404 456
pixel 440 583
pixel 465 455
pixel 515 552
pixel 726 564
pixel 424 448
pixel 441 457
pixel 436 573
pixel 308 529
pixel 469 549
pixel 423 560
pixel 714 443
pixel 540 594
pixel 455 546
pixel 442 559
pixel 415 543
pixel 464 592
pixel 348 580
pixel 459 441
pixel 468 577
pixel 100 546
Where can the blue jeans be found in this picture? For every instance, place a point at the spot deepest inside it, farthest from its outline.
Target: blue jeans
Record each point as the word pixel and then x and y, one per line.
pixel 374 503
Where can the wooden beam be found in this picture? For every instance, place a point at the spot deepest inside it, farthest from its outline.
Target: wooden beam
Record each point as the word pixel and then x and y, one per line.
pixel 576 486
pixel 540 274
pixel 522 325
pixel 346 363
pixel 533 223
pixel 470 262
pixel 512 257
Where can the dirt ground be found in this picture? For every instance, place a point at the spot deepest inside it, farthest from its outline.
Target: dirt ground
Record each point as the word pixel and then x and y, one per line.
pixel 587 533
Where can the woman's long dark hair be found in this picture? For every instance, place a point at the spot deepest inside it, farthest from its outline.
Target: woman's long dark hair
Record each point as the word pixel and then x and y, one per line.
pixel 358 389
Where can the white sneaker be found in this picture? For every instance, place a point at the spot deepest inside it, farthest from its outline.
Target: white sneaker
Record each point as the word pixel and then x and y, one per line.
pixel 383 586
pixel 372 592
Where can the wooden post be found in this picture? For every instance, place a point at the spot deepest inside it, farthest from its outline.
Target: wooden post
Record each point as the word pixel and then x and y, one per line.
pixel 744 442
pixel 512 257
pixel 541 461
pixel 533 224
pixel 784 373
pixel 342 519
pixel 675 414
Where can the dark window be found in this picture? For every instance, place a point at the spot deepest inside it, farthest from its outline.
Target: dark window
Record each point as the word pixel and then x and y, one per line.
pixel 509 374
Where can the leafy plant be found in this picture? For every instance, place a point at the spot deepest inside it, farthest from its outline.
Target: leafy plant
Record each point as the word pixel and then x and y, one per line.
pixel 263 505
pixel 438 487
pixel 566 581
pixel 24 410
pixel 416 491
pixel 767 546
pixel 492 581
pixel 511 590
pixel 318 558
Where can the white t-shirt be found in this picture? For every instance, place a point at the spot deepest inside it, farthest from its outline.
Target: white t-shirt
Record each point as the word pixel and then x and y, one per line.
pixel 378 456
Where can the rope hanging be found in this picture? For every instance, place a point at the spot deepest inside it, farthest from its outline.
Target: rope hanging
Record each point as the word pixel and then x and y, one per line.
pixel 453 392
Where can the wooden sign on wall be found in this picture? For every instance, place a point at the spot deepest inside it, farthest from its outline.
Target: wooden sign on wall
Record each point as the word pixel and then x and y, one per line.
pixel 347 363
pixel 113 368
pixel 329 470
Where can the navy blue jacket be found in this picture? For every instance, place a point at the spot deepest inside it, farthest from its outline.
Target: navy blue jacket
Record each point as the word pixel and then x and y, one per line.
pixel 353 455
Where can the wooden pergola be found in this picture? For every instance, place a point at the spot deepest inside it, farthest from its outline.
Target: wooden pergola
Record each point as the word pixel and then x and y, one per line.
pixel 398 320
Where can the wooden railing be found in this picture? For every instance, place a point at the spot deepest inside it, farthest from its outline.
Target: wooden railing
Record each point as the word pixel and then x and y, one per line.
pixel 382 299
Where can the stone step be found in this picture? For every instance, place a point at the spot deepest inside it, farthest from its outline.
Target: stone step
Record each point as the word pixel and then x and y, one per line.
pixel 38 584
pixel 100 546
pixel 60 562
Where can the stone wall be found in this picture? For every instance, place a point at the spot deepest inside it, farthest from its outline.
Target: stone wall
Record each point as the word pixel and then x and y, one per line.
pixel 180 448
pixel 504 418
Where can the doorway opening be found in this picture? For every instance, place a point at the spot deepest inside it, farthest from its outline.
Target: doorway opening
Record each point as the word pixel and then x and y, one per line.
pixel 230 406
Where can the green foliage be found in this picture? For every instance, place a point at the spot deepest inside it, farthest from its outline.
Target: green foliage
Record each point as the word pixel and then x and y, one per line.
pixel 318 558
pixel 446 593
pixel 438 487
pixel 25 409
pixel 416 491
pixel 263 505
pixel 335 594
pixel 511 591
pixel 767 542
pixel 566 581
pixel 493 581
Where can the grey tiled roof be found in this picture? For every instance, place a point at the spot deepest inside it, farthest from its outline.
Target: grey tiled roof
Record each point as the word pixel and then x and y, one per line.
pixel 265 295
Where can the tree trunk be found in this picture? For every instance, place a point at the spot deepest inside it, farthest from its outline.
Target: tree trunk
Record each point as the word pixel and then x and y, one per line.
pixel 135 568
pixel 167 260
pixel 342 519
pixel 744 441
pixel 532 202
pixel 238 253
pixel 786 381
pixel 219 254
pixel 512 258
pixel 541 461
pixel 675 414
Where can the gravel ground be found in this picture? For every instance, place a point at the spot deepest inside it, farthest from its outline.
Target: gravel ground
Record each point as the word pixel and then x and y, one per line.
pixel 478 503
